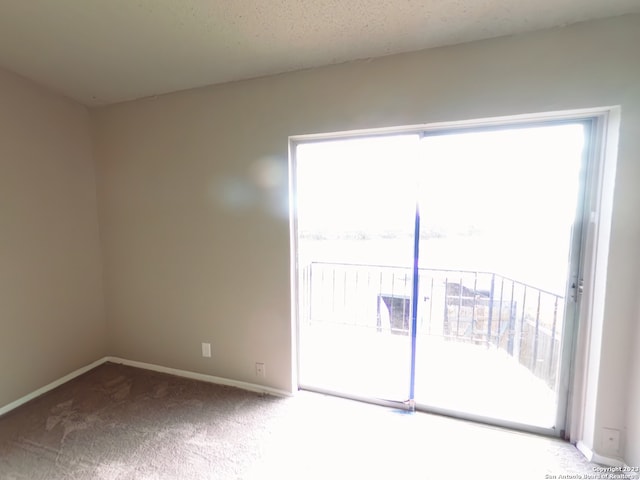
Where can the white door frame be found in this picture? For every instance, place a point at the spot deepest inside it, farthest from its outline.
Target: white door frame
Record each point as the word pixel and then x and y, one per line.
pixel 581 349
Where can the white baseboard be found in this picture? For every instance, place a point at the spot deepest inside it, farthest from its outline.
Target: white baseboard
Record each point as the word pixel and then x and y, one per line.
pixel 252 387
pixel 584 450
pixel 595 457
pixel 56 383
pixel 147 366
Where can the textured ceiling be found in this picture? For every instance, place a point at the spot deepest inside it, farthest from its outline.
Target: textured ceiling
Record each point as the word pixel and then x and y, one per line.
pixel 106 51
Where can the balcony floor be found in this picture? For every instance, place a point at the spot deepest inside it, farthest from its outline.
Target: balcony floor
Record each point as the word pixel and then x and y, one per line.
pixel 453 376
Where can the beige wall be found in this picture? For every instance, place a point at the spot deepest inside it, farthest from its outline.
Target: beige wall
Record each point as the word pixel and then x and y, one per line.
pixel 51 302
pixel 187 262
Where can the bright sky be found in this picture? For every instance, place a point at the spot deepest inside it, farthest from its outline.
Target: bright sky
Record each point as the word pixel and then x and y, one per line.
pixel 357 184
pixel 501 201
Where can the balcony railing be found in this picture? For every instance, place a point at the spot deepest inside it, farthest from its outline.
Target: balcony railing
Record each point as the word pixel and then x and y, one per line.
pixel 482 308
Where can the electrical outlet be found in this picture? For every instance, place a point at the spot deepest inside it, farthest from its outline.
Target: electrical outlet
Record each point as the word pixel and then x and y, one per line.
pixel 611 440
pixel 206 350
pixel 261 370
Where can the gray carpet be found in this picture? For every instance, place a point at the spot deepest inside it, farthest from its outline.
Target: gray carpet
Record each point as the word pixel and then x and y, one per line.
pixel 122 423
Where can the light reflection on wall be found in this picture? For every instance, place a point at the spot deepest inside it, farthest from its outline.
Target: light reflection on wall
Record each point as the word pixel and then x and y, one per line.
pixel 263 186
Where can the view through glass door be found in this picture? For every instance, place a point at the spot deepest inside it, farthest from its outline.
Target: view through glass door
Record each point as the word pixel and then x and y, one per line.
pixel 497 207
pixel 497 211
pixel 355 202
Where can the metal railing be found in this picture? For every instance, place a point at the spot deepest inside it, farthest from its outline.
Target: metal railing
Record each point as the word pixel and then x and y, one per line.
pixel 482 308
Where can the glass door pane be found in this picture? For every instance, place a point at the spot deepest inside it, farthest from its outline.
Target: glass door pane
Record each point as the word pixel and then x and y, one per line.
pixel 497 209
pixel 355 203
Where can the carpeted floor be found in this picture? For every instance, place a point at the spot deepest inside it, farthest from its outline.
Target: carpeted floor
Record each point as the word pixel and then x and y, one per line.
pixel 122 423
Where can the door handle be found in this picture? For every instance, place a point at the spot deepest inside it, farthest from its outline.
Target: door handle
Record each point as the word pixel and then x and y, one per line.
pixel 578 289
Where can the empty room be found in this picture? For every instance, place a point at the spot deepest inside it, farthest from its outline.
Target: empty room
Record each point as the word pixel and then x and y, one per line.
pixel 319 239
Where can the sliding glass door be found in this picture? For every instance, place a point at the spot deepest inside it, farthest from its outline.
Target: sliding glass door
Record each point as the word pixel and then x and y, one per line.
pixel 432 267
pixel 498 208
pixel 355 202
